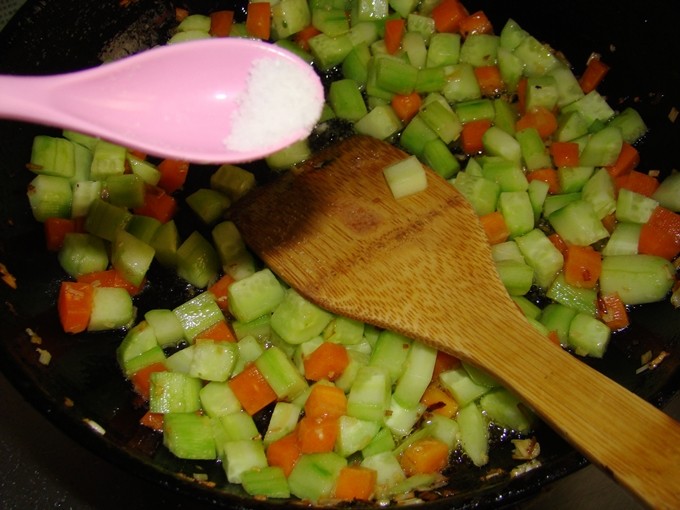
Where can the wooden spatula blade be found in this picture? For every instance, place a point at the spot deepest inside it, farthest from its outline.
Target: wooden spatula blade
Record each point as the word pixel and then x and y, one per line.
pixel 421 266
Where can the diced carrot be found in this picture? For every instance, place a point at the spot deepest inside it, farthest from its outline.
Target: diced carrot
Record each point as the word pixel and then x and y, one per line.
pixel 582 266
pixel 593 75
pixel 447 15
pixel 661 234
pixel 325 401
pixel 439 401
pixel 173 174
pixel 141 380
pixel 471 135
pixel 489 80
pixel 424 456
pixel 154 421
pixel 522 95
pixel 219 332
pixel 637 181
pixel 355 483
pixel 558 242
pixel 252 389
pixel 111 278
pixel 220 290
pixel 180 13
pixel 613 311
pixel 137 154
pixel 221 22
pixel 284 452
pixel 540 118
pixel 328 361
pixel 628 160
pixel 406 106
pixel 609 222
pixel 303 36
pixel 495 227
pixel 564 153
pixel 554 337
pixel 55 231
pixel 475 23
pixel 75 306
pixel 258 20
pixel 317 435
pixel 157 204
pixel 547 175
pixel 444 362
pixel 394 32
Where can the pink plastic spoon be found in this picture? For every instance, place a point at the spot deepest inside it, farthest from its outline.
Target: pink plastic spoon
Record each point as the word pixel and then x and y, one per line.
pixel 200 101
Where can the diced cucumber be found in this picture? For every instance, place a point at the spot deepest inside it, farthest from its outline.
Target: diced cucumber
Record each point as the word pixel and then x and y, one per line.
pixel 480 192
pixel 217 399
pixel 668 192
pixel 313 477
pixel 198 314
pixel 381 122
pixel 84 193
pixel 108 159
pixel 517 211
pixel 388 469
pixel 577 223
pixel 443 50
pixel 241 457
pixel 405 177
pixel 630 123
pixel 197 261
pixel 173 392
pixel 289 17
pixel 634 207
pixel 542 255
pixel 267 482
pixel 106 220
pixel 637 279
pixel 82 253
pixel 208 204
pixel 165 243
pixel 541 92
pixel 462 387
pixel 506 410
pixel 474 434
pixel 112 308
pixel 189 435
pixel 344 96
pixel 416 376
pixel 233 181
pixel 538 58
pixel 557 317
pixel 52 156
pixel 126 190
pixel 624 239
pixel 213 361
pixel 137 341
pixel 131 257
pixel 369 396
pixel 50 197
pixel 283 421
pixel 255 296
pixel 588 336
pixel 602 148
pixel 600 193
pixel 297 320
pixel 143 228
pixel 354 435
pixel 579 298
pixel 281 374
pixel 146 171
pixel 461 84
pixel 506 173
pixel 517 277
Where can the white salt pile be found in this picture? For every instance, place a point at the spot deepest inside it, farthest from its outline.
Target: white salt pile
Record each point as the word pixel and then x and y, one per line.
pixel 276 104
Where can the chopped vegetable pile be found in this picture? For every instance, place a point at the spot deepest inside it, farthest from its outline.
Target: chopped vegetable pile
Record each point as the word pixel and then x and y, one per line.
pixel 359 413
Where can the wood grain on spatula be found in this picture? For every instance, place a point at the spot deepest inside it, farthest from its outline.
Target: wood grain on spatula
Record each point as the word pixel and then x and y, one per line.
pixel 421 265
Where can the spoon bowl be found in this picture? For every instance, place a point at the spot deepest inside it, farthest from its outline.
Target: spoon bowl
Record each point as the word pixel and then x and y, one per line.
pixel 422 266
pixel 178 101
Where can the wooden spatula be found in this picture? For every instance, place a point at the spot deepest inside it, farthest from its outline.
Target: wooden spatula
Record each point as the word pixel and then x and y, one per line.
pixel 421 266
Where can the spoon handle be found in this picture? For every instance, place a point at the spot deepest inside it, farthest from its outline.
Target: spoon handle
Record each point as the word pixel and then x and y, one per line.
pixel 29 98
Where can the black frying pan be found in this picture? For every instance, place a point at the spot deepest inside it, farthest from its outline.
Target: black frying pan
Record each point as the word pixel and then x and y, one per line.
pixel 636 38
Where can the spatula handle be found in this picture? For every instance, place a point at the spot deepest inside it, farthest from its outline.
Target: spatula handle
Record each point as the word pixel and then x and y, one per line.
pixel 629 438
